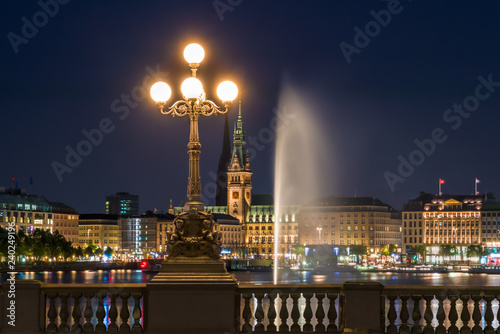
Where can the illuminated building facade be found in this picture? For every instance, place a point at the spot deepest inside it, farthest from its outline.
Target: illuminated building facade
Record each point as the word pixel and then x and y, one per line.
pixel 349 221
pixel 259 229
pixel 490 224
pixel 145 236
pixel 122 203
pixel 30 212
pixel 164 224
pixel 65 221
pixel 239 175
pixel 433 220
pixel 99 229
pixel 230 234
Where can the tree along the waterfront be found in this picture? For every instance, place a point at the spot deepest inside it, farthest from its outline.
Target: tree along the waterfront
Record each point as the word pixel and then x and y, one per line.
pixel 359 251
pixel 43 244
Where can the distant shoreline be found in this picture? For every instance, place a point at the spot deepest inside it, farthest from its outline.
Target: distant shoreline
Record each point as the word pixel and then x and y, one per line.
pixel 70 266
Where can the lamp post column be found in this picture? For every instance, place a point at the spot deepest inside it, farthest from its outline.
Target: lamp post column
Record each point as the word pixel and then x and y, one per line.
pixel 194 183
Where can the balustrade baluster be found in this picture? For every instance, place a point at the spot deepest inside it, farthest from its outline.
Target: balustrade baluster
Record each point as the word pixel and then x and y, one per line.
pixel 453 315
pixel 320 313
pixel 64 313
pixel 77 313
pixel 124 313
pixel 476 315
pixel 259 312
pixel 308 314
pixel 247 314
pixel 405 315
pixel 295 312
pixel 52 313
pixel 428 316
pixel 488 315
pixel 416 315
pixel 88 313
pixel 284 313
pixel 271 313
pixel 100 313
pixel 112 313
pixel 392 315
pixel 465 315
pixel 440 315
pixel 332 313
pixel 137 313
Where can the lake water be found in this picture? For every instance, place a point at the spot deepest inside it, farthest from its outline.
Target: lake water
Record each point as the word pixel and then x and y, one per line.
pixel 136 276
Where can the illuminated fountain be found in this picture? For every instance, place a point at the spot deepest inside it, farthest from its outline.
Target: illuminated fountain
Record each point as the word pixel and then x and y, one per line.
pixel 300 158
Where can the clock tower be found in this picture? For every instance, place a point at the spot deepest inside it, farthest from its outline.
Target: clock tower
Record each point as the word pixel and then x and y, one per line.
pixel 239 175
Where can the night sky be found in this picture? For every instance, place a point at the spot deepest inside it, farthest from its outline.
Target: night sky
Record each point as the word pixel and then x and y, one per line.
pixel 84 66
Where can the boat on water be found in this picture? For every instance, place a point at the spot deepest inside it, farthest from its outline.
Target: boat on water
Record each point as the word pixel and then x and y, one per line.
pixel 418 269
pixel 404 269
pixel 484 269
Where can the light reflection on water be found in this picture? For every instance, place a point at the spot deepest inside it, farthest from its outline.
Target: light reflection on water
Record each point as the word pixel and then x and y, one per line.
pixel 136 276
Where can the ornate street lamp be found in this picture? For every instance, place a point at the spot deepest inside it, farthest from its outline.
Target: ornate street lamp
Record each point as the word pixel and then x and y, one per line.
pixel 193 235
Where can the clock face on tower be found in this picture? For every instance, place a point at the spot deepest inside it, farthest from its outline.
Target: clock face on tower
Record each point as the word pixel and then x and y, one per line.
pixel 236 195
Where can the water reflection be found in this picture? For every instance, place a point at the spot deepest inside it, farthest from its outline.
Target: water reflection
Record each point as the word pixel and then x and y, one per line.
pixel 294 277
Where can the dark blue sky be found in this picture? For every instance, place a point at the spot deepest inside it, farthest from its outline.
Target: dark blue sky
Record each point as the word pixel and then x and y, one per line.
pixel 70 75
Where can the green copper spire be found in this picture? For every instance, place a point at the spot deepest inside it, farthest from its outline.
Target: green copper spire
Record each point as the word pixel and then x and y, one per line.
pixel 239 142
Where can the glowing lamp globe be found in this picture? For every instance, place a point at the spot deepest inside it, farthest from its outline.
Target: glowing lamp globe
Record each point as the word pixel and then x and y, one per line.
pixel 227 91
pixel 194 53
pixel 160 92
pixel 192 88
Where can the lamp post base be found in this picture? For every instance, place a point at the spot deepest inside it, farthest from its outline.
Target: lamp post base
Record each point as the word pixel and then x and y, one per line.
pixel 192 295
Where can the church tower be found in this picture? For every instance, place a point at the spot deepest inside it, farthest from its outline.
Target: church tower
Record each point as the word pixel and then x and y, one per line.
pixel 224 161
pixel 239 175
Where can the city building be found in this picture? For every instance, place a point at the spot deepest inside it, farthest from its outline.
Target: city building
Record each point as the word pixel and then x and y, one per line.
pixel 433 220
pixel 165 225
pixel 145 236
pixel 259 228
pixel 26 211
pixel 490 224
pixel 30 212
pixel 346 221
pixel 122 203
pixel 65 219
pixel 239 175
pixel 99 229
pixel 230 234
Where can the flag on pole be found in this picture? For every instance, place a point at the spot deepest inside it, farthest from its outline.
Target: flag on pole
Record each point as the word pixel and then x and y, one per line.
pixel 13 179
pixel 441 181
pixel 477 181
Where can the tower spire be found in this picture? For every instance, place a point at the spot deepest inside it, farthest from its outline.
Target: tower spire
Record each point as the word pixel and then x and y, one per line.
pixel 239 122
pixel 239 174
pixel 239 142
pixel 224 162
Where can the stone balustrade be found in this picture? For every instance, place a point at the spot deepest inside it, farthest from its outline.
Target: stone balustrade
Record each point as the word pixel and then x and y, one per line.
pixel 442 309
pixel 94 307
pixel 353 307
pixel 287 308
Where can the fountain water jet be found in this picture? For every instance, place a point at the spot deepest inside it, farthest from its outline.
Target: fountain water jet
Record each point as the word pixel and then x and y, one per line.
pixel 301 170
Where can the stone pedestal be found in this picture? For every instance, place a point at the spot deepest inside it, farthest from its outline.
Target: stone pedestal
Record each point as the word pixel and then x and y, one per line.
pixel 192 295
pixel 362 310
